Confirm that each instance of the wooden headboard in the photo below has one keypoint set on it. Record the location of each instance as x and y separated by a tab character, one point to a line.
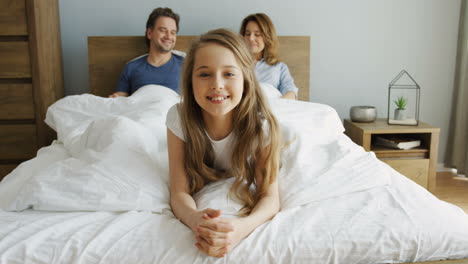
108	55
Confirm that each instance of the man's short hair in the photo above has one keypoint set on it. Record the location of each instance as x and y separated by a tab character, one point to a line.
159	12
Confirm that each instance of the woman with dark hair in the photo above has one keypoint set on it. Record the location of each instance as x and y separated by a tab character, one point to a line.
260	35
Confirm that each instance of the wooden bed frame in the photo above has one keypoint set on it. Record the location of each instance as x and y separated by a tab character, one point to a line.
108	55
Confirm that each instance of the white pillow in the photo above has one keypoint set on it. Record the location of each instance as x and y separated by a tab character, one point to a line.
270	91
319	123
180	53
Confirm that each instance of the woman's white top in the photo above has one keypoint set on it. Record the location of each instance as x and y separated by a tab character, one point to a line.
222	148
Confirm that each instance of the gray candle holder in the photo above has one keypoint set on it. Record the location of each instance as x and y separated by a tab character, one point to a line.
363	113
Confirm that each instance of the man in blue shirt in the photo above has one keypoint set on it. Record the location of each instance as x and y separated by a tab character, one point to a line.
160	66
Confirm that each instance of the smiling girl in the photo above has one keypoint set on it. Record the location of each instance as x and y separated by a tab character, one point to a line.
222	128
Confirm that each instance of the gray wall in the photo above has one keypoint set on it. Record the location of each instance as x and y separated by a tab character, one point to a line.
357	46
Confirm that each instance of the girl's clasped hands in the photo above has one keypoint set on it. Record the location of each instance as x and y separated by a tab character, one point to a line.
215	235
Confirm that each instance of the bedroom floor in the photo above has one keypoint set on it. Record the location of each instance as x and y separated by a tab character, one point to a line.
452	189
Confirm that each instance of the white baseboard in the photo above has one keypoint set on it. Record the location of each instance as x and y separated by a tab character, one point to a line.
441	168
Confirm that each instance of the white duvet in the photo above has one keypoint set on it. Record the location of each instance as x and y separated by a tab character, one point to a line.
99	194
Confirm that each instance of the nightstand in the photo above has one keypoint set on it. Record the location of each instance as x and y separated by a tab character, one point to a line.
418	164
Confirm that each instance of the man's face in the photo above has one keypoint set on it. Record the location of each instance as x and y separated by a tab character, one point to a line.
163	35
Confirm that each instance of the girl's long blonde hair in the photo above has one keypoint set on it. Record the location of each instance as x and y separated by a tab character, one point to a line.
270	52
256	153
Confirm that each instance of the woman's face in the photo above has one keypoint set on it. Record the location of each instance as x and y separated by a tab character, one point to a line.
254	38
217	80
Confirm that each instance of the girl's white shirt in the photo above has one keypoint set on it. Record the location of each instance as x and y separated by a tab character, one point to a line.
222	148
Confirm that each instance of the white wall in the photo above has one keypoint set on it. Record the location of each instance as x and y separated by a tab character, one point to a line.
357	46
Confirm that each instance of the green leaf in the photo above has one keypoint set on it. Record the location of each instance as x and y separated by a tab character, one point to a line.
401	102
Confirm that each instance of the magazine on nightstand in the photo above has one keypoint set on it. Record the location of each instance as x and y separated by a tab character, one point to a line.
397	143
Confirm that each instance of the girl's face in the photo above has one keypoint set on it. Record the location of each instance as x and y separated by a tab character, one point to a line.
254	38
217	80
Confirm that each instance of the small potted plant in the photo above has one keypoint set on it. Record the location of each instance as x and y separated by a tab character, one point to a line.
400	113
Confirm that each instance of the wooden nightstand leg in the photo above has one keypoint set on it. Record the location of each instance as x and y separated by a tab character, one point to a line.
366	141
433	160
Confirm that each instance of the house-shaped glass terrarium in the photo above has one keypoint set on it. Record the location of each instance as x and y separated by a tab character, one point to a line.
403	100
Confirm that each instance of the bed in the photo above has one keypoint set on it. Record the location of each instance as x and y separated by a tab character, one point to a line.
99	193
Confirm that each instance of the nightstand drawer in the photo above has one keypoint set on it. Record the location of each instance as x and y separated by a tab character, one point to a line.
16	101
415	169
13	18
15	62
18	142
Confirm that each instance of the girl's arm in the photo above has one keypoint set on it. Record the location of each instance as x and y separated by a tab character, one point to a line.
265	210
182	203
